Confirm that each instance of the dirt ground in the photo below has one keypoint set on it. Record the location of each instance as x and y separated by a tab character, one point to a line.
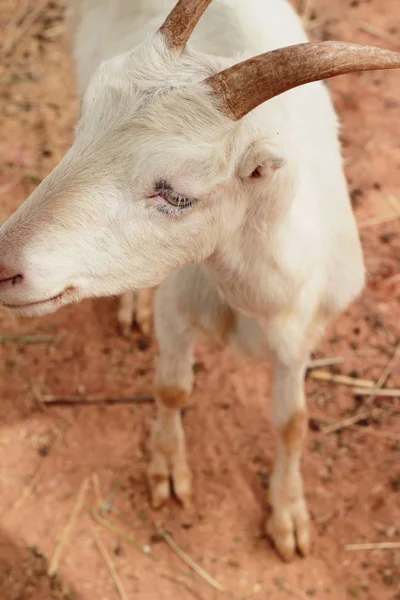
59	463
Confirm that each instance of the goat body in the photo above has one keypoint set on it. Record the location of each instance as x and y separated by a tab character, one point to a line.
292	263
245	226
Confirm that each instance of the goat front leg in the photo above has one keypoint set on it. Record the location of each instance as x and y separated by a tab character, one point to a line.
289	524
168	470
136	306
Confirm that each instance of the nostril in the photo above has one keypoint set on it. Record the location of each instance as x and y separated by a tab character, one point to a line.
13	280
16	279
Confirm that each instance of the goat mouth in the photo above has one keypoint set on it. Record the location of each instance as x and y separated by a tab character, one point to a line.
47	305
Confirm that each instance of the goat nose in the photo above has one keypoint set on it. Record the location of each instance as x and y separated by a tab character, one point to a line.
7	277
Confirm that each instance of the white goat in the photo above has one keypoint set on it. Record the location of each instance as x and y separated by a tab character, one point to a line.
241	215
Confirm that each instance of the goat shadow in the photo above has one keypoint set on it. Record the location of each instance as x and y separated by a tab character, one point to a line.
23	575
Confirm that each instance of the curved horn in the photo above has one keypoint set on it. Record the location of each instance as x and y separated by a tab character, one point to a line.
244	86
183	18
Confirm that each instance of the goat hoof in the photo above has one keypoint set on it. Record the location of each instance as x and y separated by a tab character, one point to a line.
125	330
181	482
124	319
290	531
159	491
166	483
145	324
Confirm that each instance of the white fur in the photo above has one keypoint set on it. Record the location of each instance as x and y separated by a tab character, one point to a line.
280	252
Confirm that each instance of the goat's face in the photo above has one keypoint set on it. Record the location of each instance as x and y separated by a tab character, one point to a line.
150	185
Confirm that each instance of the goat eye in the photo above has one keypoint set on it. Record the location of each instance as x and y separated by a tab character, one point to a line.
169	195
177	200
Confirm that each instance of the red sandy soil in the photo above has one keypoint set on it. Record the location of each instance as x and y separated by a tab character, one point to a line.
352	477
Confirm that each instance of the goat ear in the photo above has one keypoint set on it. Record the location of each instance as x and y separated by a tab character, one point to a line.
259	160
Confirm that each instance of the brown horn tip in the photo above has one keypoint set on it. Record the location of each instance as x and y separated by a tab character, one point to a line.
248	84
178	26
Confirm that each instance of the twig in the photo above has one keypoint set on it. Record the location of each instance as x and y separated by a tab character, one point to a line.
24	27
285	587
194	593
378	33
388	392
96	489
37	474
341	379
107	505
392	200
384	375
108	560
16	18
28	339
38	398
371	393
374	546
391	280
118	532
53	32
306	8
378	220
325	517
28	489
345	423
189	561
93	400
325	362
377	433
68	528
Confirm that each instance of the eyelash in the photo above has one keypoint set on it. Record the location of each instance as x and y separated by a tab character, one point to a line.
176	203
